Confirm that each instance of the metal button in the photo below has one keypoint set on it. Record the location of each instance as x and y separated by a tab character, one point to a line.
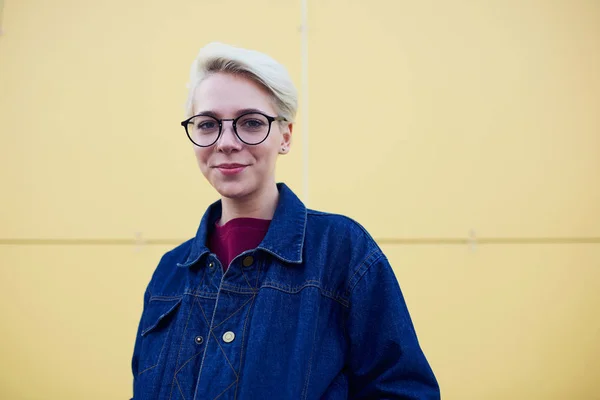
228	337
248	260
199	340
211	264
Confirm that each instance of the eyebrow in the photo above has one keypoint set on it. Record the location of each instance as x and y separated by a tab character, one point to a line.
237	114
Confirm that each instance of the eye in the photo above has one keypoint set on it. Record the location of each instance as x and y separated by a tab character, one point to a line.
206	125
252	123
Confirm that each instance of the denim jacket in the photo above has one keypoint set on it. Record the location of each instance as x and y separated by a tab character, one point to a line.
314	312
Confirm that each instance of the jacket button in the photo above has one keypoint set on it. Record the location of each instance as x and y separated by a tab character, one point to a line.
211	264
228	337
199	340
248	260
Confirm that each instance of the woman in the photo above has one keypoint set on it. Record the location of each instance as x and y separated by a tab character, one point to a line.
269	299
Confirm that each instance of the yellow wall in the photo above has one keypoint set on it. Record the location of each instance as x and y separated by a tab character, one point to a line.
465	135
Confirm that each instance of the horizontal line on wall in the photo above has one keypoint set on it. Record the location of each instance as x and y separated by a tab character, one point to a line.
86	242
491	240
381	241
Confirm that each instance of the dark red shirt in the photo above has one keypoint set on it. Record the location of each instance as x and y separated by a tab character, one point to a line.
235	237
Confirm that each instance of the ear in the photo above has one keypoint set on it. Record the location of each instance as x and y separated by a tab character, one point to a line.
286	138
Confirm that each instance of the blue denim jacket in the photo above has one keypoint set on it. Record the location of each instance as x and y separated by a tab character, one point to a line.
314	312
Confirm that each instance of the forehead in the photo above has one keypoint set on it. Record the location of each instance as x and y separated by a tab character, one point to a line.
225	94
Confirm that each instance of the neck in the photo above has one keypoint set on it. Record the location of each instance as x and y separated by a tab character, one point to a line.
260	204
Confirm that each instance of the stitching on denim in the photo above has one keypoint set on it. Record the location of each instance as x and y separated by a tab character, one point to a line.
161	317
147	369
364	267
161	350
224	354
337	299
246	278
279	256
210	275
286	289
361	266
203	273
226	389
258	272
345	217
323	292
295	289
207	342
303	232
205	295
180	346
202	310
244	341
179	387
164	298
310	360
233	313
236	289
187	361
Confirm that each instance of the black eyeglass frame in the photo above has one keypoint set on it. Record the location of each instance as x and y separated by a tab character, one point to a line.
234	122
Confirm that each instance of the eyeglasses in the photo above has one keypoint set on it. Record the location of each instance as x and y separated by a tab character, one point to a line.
251	128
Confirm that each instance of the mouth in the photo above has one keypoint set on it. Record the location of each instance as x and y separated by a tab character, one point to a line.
230	169
230	166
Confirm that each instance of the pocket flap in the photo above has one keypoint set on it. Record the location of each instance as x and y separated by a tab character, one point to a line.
157	312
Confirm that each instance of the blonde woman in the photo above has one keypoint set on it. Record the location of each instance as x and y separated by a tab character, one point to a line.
269	299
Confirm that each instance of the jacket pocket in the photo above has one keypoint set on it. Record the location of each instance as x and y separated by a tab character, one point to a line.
157	322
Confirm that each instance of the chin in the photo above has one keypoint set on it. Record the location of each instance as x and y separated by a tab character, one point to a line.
232	190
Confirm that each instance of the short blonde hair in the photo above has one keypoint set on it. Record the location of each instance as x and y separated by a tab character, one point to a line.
218	57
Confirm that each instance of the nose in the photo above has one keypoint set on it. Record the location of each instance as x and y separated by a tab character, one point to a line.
228	141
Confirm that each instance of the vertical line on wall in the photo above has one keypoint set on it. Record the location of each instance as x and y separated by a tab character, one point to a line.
304	98
1	8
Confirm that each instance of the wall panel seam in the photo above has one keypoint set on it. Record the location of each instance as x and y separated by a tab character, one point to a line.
381	241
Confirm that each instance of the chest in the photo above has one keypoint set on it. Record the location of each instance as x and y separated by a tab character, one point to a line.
244	334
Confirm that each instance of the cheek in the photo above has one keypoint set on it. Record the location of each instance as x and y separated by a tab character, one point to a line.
201	156
268	157
264	153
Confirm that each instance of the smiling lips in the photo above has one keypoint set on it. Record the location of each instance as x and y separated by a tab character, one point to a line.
230	169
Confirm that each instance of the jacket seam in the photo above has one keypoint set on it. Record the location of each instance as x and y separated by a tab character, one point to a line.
238	290
204	295
233	313
362	270
298	289
224	353
179	353
242	352
178	387
246	278
310	362
165	298
186	362
226	389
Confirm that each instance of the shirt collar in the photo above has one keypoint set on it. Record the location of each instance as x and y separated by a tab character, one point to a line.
284	239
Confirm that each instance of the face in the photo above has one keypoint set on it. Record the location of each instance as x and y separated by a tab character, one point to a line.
233	168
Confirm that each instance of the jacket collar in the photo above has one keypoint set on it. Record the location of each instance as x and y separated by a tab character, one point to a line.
284	239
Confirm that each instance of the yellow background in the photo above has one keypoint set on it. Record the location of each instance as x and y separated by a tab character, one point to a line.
465	136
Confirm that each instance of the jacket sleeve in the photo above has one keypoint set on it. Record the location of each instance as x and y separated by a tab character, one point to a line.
386	360
137	346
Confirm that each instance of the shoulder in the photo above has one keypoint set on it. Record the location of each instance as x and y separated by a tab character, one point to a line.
345	247
341	226
326	219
